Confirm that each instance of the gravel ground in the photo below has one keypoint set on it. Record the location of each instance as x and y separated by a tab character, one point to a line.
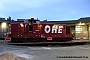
48	53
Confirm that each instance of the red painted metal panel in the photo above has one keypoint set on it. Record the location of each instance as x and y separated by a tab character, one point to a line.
39	31
49	38
7	38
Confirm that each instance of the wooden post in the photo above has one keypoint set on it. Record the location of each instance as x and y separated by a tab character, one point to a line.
43	41
4	40
25	41
34	41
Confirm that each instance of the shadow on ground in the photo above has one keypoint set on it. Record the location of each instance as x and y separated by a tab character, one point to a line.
51	45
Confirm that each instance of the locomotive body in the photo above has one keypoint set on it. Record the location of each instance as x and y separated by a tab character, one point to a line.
34	31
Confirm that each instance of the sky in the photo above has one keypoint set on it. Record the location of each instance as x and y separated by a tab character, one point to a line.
59	10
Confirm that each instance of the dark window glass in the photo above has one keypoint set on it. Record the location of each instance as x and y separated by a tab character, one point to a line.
34	21
30	28
67	29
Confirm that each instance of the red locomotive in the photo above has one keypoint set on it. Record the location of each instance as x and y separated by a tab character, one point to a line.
34	31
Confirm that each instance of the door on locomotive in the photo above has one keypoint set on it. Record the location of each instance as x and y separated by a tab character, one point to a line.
31	22
68	32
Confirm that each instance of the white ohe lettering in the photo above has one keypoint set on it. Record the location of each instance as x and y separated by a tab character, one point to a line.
47	29
58	29
54	30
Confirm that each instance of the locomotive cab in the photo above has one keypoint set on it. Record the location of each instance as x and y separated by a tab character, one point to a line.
31	22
